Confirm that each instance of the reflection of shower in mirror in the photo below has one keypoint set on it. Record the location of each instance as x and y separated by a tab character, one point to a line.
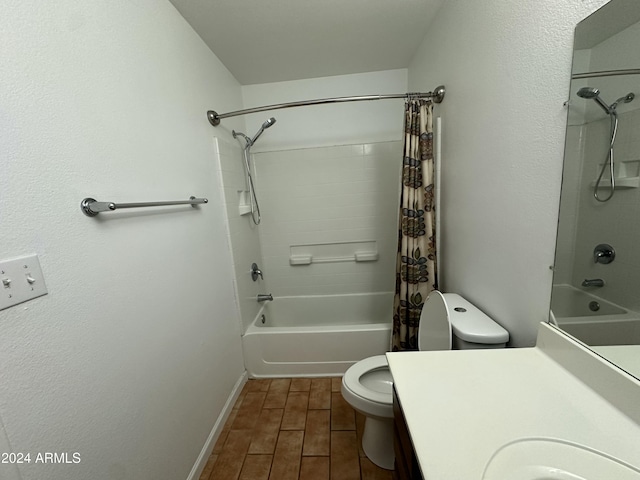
611	110
606	66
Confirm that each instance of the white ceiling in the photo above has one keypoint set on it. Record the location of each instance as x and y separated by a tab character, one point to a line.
263	41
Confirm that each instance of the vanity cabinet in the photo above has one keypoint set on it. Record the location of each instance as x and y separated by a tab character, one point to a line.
406	464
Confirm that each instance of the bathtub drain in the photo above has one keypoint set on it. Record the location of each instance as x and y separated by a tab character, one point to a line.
594	306
263	319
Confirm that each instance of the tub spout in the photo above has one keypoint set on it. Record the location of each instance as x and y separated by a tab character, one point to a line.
265	297
594	282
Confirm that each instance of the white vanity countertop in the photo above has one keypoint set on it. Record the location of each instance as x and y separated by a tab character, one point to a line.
462	406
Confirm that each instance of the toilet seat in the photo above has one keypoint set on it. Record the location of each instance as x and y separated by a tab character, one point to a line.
367	386
434	334
369	365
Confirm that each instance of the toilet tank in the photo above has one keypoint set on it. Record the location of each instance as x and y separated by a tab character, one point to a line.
472	328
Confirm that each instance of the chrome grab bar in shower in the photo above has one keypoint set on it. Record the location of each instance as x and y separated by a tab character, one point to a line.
91	207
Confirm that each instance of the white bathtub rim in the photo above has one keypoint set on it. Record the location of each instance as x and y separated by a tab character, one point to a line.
255	327
334	295
316	350
629	315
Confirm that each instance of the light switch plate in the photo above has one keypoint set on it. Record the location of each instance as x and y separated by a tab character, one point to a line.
21	279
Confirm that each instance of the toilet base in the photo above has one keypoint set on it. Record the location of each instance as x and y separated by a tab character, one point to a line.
377	441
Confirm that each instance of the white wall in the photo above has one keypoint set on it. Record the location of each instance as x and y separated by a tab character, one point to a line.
333	124
506	66
132	355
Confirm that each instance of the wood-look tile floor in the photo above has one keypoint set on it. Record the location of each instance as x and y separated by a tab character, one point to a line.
292	429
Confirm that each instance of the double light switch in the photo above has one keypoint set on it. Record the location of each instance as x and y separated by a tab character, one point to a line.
21	280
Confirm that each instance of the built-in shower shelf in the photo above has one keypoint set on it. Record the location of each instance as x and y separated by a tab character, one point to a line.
244	202
626	182
627	175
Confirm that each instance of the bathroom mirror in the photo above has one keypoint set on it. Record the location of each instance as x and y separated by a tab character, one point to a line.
596	288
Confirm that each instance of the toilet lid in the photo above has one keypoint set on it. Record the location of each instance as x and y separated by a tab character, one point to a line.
434	332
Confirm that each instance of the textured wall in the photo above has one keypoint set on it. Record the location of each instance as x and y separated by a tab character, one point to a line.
132	355
506	66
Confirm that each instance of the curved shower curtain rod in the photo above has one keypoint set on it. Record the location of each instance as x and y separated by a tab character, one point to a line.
214	117
606	73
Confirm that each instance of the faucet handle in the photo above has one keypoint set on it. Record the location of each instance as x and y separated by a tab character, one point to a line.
255	272
603	253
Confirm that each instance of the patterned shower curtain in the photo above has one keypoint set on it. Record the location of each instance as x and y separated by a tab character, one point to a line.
416	262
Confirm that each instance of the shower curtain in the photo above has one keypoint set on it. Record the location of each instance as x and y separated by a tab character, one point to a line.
416	261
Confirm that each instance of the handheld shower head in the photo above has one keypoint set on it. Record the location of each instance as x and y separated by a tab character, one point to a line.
269	122
626	99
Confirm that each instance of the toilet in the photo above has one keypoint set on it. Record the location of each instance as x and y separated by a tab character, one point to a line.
447	322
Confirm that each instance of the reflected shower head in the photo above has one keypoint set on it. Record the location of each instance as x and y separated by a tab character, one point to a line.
588	92
626	99
594	93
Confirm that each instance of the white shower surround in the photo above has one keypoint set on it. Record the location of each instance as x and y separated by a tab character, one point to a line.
332	185
325	316
331	196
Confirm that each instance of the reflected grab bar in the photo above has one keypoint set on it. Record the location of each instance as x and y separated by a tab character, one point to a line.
91	207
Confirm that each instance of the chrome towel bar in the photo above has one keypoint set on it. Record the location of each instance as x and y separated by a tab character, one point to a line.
91	207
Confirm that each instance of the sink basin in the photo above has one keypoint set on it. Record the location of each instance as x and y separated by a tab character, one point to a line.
555	459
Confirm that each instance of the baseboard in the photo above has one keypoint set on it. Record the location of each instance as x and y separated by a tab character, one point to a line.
201	461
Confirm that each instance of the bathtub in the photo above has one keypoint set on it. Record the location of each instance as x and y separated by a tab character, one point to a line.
610	324
317	335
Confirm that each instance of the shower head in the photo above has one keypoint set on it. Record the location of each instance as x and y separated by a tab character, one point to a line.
251	141
269	122
626	99
594	93
588	92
